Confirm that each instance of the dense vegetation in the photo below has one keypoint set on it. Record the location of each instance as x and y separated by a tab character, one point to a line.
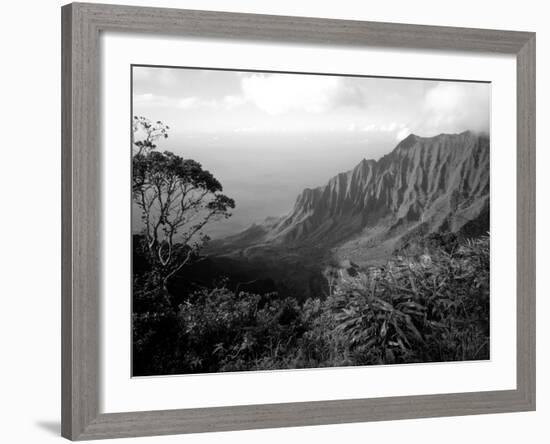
420	308
429	303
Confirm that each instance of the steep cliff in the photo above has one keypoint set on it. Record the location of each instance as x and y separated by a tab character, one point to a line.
424	185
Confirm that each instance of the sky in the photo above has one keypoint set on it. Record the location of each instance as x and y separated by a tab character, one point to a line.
267	136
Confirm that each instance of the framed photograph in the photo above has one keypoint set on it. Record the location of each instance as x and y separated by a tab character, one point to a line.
278	221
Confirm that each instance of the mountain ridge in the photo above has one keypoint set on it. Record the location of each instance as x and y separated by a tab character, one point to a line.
425	184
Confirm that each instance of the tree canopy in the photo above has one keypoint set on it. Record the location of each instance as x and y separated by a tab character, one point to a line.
176	196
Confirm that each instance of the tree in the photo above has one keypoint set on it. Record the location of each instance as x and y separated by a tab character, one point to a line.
177	199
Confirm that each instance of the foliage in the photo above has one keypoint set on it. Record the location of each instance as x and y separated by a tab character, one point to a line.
435	308
177	199
424	308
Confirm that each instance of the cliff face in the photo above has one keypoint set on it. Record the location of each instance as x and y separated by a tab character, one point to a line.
424	185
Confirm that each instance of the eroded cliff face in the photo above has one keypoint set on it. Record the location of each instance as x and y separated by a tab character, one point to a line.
424	185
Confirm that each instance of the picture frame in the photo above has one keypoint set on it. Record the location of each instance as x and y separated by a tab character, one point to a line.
82	24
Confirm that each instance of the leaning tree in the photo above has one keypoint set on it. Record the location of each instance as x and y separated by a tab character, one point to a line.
177	199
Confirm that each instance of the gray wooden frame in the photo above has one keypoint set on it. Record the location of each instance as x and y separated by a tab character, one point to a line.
81	26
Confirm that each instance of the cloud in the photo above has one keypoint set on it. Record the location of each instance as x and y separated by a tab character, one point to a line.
356	107
150	99
140	74
399	129
233	101
247	129
228	102
187	102
445	107
281	93
370	127
402	133
349	94
143	98
389	127
456	107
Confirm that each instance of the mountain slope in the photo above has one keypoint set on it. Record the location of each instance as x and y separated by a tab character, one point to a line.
424	185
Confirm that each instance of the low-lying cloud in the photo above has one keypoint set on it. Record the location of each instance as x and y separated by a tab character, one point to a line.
455	107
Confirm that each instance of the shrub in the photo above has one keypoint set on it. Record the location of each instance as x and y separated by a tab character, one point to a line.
434	308
423	308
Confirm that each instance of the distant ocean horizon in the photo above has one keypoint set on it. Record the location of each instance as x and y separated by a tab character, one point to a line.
279	165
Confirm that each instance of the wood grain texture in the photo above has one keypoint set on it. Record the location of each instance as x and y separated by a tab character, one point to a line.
259	27
66	225
119	425
526	221
81	25
80	222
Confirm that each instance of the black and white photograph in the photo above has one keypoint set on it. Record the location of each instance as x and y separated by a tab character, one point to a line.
302	220
241	222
